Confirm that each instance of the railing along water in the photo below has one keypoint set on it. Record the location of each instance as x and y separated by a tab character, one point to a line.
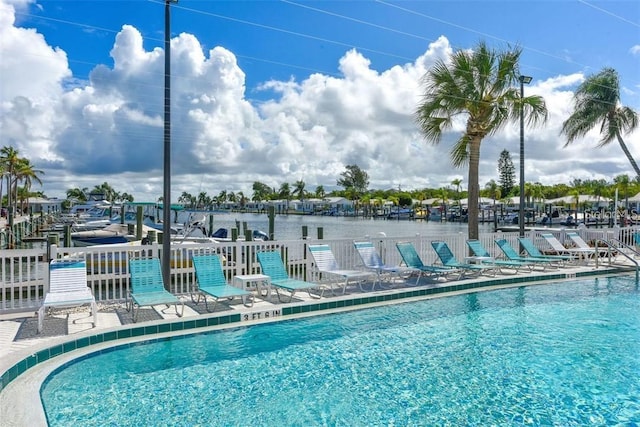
24	272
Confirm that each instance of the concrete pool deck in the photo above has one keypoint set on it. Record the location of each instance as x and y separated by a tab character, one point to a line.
69	334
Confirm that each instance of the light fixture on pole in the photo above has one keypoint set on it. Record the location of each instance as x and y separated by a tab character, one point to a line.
166	186
523	80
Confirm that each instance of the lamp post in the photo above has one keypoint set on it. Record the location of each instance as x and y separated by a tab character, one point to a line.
523	80
166	194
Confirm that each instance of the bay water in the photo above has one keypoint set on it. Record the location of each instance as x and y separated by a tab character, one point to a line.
289	227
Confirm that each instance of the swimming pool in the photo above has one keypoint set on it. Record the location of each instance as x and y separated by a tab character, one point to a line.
562	354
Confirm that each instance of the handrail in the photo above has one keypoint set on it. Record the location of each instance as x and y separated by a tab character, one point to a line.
621	245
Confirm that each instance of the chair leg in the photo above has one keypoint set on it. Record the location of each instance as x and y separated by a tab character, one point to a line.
41	313
181	311
213	308
94	310
134	312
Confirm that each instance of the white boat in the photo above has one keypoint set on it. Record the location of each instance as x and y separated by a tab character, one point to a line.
111	234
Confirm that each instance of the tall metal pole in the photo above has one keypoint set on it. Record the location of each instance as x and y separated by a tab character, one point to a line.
523	80
166	195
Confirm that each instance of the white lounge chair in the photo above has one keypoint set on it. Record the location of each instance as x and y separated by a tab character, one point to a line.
326	264
579	241
67	288
373	261
559	249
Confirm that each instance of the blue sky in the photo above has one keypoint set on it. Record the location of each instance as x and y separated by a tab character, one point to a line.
294	90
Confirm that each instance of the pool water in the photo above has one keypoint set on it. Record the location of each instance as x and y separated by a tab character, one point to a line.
564	354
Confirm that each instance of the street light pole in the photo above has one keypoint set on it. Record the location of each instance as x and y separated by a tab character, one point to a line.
523	80
166	194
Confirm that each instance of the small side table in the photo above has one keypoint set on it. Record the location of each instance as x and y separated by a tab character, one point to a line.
254	282
478	259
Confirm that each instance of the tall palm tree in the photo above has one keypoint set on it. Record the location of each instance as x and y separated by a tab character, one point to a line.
10	160
457	182
285	193
298	190
26	173
597	101
481	85
77	195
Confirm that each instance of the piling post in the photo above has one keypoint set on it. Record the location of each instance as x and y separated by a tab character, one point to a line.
320	233
272	218
305	232
139	223
234	234
248	235
67	236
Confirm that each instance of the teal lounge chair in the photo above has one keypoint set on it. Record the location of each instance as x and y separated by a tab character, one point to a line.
211	282
146	287
411	259
513	255
448	259
372	261
326	264
483	255
528	245
272	265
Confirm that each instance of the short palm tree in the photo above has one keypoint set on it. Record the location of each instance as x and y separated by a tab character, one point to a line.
482	86
597	101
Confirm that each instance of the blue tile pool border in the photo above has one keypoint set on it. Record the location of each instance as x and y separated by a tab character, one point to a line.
236	319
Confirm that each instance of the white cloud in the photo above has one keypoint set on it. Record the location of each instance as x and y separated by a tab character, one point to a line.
111	127
635	50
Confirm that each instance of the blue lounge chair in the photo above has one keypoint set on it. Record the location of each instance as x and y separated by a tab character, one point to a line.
272	265
372	261
411	259
211	282
146	287
513	255
483	255
326	264
448	259
533	251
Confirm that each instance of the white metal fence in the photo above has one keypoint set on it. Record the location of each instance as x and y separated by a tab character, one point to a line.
24	272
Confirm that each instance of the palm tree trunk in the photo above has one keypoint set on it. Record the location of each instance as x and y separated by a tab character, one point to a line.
474	188
628	154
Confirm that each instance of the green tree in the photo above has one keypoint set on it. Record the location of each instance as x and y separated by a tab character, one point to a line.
105	189
261	191
506	172
10	159
79	194
298	191
623	182
457	183
481	85
320	193
354	180
27	174
597	102
285	192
